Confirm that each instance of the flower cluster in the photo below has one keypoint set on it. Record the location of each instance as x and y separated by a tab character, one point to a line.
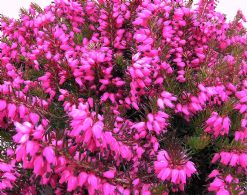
224	183
231	158
174	170
123	97
218	125
8	176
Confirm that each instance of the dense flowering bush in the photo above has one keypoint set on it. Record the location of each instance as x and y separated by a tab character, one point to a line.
123	97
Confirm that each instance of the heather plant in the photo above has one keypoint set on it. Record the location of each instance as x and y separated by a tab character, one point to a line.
123	97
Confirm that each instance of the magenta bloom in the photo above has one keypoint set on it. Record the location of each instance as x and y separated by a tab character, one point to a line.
222	184
217	125
123	97
178	173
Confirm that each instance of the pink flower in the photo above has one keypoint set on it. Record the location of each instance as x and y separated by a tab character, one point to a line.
34	118
216	185
3	105
223	184
49	154
24	128
109	174
93	181
32	147
93	92
11	110
214	173
177	174
64	176
72	183
5	167
243	160
231	158
97	129
38	165
217	125
157	122
21	138
108	189
82	178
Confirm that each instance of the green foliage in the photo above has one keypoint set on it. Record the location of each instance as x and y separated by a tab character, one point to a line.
36	7
78	37
32	74
197	143
39	92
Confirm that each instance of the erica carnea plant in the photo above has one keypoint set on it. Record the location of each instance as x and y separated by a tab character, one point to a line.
123	97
